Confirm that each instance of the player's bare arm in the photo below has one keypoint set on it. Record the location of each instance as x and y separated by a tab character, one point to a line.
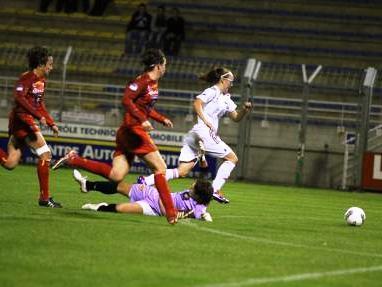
43	121
147	126
236	116
55	130
168	123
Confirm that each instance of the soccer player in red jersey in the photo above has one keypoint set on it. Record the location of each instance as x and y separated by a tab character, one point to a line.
132	137
23	131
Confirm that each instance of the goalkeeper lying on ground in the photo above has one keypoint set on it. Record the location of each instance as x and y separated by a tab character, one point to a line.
144	199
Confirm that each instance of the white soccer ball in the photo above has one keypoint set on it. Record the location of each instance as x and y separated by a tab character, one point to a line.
355	216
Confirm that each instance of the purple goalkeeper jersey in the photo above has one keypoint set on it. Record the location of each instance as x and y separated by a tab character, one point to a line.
182	200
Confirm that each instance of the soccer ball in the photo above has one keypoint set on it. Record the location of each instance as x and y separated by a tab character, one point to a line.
355	216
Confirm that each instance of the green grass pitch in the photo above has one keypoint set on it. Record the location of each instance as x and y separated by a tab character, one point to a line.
267	236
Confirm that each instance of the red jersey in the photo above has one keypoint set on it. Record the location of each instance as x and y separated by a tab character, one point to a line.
139	99
29	98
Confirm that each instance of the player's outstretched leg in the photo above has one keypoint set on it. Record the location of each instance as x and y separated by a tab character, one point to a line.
150	179
93	206
72	159
106	187
65	159
81	180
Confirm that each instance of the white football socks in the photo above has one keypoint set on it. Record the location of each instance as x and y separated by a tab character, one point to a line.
222	175
170	174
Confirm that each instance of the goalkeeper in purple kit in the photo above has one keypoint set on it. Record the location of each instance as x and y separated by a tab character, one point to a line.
144	199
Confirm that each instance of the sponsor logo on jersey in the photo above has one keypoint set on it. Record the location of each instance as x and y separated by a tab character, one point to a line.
153	92
154	86
38	87
19	88
133	87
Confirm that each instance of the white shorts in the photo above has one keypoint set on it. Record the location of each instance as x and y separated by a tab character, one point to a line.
147	210
147	197
213	145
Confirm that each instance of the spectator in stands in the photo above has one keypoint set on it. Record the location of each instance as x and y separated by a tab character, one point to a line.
69	6
28	113
158	28
174	34
44	5
85	6
138	30
99	7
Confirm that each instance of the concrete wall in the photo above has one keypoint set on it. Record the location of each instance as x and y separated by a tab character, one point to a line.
273	156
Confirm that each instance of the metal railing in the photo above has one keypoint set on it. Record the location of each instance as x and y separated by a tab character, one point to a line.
104	98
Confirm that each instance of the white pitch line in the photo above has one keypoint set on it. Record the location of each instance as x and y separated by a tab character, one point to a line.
283	243
235	216
295	277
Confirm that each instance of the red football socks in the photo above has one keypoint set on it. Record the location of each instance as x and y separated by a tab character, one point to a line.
93	166
3	157
43	178
164	194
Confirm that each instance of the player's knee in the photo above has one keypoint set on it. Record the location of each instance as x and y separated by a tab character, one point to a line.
47	156
118	172
232	158
185	167
160	168
182	173
9	166
44	153
116	176
10	163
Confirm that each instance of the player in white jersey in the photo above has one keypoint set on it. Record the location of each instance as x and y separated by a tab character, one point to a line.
211	105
